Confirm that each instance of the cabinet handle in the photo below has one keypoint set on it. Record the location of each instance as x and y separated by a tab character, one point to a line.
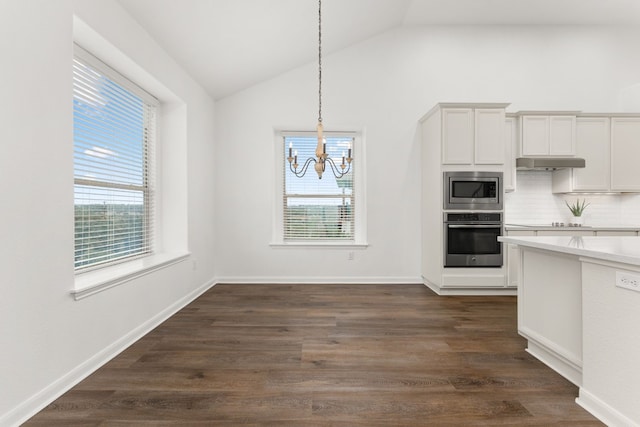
473	226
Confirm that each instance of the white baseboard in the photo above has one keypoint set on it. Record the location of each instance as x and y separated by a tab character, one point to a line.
553	356
470	291
315	280
40	400
603	411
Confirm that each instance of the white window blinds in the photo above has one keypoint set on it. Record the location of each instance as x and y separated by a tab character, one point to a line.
114	132
318	209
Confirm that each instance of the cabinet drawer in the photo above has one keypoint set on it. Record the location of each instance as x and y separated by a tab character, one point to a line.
521	233
616	233
565	233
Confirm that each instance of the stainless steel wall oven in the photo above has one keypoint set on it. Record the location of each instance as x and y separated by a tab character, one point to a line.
471	239
473	190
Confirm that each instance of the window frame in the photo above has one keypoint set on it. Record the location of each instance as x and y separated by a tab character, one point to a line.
147	187
359	239
172	208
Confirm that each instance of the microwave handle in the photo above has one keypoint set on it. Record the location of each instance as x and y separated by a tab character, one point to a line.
473	226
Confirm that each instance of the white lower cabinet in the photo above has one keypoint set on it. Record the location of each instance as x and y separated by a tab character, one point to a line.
512	257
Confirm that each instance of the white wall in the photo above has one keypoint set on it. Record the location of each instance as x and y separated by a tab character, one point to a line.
384	86
48	339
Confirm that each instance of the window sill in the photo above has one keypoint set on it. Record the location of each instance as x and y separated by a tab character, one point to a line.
92	282
316	245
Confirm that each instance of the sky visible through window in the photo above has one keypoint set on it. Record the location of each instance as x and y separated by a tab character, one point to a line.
108	134
110	169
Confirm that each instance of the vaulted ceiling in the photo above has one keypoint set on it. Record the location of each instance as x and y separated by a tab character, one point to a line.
228	45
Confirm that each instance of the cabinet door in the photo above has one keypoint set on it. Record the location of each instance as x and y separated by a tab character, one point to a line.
489	136
625	153
510	140
457	136
535	135
513	257
593	144
562	131
513	266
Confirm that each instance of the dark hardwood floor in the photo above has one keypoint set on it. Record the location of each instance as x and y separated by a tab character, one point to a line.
326	355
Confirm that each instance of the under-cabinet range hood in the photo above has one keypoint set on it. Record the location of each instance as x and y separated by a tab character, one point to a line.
549	163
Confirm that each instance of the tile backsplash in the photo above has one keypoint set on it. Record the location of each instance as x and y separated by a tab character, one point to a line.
534	203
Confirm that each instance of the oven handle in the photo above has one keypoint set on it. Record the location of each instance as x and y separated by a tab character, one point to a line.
473	226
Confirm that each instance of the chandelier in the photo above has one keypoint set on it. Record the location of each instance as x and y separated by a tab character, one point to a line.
322	159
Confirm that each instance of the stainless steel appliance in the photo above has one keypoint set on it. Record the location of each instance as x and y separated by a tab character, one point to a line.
471	239
473	190
549	163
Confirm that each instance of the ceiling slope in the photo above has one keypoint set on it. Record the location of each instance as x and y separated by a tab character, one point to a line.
228	45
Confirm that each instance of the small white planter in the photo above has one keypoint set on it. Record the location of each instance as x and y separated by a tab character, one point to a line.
577	220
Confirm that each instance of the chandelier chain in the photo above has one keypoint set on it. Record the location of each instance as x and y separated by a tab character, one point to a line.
322	156
319	61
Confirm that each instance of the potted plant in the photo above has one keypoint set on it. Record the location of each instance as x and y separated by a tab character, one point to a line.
577	209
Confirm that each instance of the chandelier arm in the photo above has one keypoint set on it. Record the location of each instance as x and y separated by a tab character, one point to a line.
304	168
334	168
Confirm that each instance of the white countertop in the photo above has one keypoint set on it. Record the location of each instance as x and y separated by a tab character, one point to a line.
623	249
532	227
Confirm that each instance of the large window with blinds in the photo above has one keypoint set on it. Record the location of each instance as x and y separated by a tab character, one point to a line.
318	209
114	136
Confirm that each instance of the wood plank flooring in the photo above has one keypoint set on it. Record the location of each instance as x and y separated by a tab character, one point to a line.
326	355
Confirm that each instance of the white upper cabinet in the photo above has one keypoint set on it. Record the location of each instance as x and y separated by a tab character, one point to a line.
473	136
562	135
625	152
593	144
510	153
535	135
548	135
457	136
611	148
489	136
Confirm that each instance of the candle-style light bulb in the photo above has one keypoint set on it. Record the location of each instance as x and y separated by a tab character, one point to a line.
320	131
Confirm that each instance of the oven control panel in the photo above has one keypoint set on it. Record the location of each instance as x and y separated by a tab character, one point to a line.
473	217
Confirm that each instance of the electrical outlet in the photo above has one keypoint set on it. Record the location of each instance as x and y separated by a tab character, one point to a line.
628	281
350	256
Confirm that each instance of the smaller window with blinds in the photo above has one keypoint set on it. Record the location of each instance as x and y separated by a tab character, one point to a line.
114	135
318	209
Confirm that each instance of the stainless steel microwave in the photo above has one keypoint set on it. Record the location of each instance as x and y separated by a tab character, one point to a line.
473	190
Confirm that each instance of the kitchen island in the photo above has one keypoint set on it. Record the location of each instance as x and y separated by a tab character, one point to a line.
579	309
